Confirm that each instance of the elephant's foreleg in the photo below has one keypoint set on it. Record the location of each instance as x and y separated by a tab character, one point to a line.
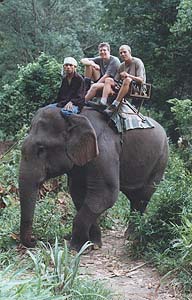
82	226
77	189
102	187
77	186
95	235
85	227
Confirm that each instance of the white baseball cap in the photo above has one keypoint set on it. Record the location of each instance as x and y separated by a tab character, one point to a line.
70	61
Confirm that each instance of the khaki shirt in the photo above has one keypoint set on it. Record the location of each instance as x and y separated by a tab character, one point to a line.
135	68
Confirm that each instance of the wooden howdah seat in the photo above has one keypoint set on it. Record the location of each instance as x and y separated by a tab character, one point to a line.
138	94
142	91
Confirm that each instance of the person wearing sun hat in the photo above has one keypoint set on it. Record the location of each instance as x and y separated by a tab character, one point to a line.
71	95
68	60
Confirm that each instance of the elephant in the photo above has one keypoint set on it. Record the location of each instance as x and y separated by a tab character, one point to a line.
99	162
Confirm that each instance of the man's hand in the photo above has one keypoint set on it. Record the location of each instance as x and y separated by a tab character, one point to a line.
69	106
95	66
88	62
124	75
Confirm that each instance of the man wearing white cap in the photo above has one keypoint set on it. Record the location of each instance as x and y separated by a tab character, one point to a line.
72	91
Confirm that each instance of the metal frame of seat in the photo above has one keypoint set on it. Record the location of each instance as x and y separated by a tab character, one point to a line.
140	92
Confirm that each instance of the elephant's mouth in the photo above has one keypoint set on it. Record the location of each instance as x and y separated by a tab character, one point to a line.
57	171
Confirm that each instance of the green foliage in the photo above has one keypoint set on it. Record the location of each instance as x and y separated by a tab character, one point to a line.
55	27
183	244
13	286
159	32
53	218
184	18
8	226
9	171
37	85
55	276
56	266
9	204
181	44
182	111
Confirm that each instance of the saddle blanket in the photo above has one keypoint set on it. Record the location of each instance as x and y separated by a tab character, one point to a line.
127	119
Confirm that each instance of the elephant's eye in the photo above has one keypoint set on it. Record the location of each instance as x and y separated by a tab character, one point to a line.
40	150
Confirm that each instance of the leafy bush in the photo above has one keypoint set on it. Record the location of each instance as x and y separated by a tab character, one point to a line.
9	172
182	112
55	276
53	217
36	86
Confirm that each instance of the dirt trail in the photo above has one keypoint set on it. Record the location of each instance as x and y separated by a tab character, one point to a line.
130	280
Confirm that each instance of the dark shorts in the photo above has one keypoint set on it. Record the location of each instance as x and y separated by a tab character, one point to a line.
119	83
117	87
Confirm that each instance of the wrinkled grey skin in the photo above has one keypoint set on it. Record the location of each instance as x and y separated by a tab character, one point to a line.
98	161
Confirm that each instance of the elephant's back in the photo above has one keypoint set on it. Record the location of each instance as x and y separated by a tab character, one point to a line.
98	120
144	152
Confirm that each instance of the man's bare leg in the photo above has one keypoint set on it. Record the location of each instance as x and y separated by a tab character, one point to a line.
95	87
107	90
122	92
94	75
91	73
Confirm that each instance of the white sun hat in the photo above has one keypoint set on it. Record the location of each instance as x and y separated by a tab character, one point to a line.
70	60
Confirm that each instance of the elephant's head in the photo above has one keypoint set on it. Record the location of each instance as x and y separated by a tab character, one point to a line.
54	145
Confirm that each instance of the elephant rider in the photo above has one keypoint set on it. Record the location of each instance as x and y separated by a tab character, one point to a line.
71	96
132	69
99	68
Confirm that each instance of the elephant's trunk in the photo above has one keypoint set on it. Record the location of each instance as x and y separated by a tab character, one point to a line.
27	201
29	181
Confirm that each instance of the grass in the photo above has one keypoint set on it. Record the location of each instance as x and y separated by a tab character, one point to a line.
49	272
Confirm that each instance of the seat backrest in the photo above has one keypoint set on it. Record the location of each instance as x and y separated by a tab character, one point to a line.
142	90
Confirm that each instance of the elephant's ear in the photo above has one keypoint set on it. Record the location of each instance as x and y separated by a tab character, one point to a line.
82	140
